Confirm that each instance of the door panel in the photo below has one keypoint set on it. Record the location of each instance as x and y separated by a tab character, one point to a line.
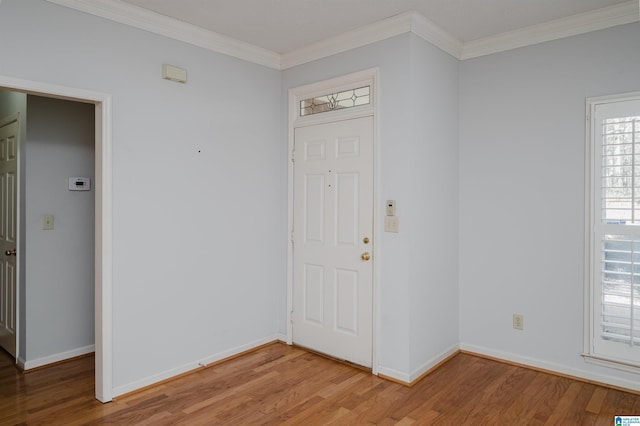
8	233
347	200
314	209
347	301
333	213
314	294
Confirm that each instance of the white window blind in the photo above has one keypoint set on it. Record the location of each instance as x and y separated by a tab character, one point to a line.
615	238
620	314
621	170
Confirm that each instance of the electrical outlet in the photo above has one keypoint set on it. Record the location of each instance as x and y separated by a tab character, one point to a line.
518	321
47	222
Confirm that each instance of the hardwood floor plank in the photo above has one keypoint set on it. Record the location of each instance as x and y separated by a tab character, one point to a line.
526	384
617	403
597	399
403	422
578	413
447	399
336	388
282	385
553	390
374	408
327	407
421	398
559	412
498	396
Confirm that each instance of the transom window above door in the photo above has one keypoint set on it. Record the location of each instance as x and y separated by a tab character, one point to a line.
334	101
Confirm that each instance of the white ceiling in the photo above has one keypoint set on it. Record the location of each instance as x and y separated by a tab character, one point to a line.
284	26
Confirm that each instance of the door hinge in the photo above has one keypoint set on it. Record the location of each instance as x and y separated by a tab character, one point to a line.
293	156
293	237
291	317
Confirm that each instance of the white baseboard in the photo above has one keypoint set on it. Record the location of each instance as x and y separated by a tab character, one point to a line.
156	378
553	367
417	373
409	378
39	362
394	374
282	337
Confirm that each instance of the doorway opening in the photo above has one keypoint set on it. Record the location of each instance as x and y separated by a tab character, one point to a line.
332	264
102	217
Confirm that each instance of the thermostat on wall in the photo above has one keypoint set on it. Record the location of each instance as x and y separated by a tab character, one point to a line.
79	184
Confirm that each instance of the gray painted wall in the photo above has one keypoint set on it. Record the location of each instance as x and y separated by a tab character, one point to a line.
199	209
432	211
522	171
59	263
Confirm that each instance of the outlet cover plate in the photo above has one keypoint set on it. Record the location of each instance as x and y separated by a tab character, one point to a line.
518	321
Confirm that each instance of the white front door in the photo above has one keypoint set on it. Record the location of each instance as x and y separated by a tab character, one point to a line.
8	227
332	243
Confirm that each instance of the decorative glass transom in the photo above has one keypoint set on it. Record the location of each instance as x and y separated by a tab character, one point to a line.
345	99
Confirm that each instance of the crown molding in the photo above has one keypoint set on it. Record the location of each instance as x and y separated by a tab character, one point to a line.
147	20
358	37
381	30
624	13
128	14
435	35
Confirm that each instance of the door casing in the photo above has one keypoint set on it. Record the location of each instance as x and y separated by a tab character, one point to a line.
103	219
297	94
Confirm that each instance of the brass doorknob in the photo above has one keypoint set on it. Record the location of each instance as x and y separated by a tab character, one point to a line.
10	252
365	256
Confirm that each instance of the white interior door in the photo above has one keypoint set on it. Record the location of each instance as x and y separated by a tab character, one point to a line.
332	243
8	227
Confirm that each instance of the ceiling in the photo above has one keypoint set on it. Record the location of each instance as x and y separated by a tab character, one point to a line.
284	26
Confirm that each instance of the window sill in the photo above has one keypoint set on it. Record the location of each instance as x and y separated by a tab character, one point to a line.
611	363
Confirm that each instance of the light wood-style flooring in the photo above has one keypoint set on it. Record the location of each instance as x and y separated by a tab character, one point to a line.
285	385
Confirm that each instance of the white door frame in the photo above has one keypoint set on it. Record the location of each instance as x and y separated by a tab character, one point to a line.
359	79
103	219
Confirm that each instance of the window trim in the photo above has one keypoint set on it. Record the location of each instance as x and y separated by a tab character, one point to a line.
589	354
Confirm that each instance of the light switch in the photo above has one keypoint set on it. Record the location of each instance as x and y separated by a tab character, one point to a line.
391	224
47	222
391	207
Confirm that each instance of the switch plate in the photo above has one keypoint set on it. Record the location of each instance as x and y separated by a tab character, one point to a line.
79	184
391	224
47	222
391	207
518	321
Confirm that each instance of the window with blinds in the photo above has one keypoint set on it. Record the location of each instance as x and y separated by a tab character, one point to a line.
615	231
620	316
621	170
